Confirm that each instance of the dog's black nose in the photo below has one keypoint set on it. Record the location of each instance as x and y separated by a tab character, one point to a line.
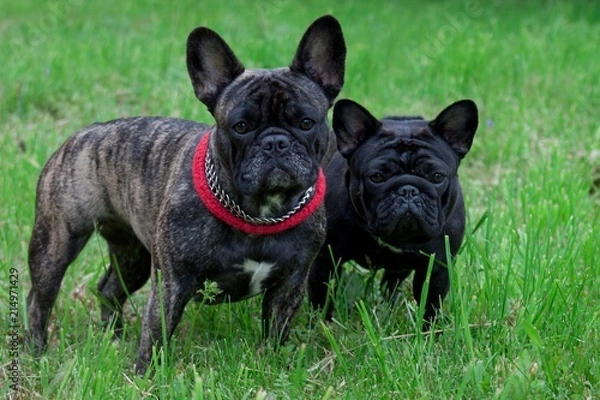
408	191
276	144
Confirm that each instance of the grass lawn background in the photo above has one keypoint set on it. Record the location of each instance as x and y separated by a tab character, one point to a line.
523	316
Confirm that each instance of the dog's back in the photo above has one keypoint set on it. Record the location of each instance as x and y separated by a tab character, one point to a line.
96	175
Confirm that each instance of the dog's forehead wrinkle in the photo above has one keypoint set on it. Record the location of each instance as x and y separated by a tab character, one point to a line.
411	141
295	85
275	93
400	150
404	126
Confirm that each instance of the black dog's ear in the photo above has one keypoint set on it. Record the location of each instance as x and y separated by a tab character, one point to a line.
211	65
457	125
352	124
321	55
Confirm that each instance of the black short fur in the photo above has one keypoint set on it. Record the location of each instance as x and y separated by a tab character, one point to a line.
393	196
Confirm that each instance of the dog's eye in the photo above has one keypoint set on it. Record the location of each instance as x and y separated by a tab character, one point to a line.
306	124
377	177
241	127
437	177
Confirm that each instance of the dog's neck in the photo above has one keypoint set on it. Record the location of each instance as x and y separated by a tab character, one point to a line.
383	243
222	206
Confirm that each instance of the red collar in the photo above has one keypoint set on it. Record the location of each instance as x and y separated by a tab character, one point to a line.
218	210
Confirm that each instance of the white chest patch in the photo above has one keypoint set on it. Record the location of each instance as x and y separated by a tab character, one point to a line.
259	271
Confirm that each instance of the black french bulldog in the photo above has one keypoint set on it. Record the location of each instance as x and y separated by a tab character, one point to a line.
236	207
393	194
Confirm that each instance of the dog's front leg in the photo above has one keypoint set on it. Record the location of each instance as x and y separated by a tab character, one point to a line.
166	303
280	305
439	285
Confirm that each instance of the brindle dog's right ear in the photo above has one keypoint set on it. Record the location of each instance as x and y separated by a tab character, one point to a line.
321	55
211	65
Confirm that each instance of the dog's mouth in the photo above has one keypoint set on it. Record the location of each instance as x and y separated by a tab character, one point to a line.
286	176
260	219
279	190
407	230
278	178
275	212
401	219
413	230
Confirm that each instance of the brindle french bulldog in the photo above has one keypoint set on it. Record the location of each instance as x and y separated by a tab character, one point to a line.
238	204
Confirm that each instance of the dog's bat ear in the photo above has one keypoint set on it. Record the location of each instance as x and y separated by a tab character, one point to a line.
352	124
321	55
457	125
211	65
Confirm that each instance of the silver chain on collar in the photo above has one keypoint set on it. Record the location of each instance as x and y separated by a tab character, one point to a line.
235	209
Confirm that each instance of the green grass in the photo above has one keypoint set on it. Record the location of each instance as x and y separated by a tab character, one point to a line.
523	316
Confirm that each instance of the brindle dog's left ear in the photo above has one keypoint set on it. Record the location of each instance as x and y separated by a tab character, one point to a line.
457	125
211	65
321	55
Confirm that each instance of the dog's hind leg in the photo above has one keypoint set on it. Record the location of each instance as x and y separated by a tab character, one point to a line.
54	245
129	270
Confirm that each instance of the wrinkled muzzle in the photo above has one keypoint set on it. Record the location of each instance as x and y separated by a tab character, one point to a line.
408	215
